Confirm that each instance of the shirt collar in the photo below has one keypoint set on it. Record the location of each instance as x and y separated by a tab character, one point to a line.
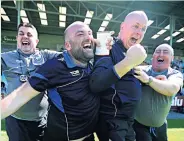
23	54
121	45
154	73
68	59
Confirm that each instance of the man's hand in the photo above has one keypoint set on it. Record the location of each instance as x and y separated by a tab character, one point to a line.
104	44
2	95
3	90
110	41
141	75
135	55
161	77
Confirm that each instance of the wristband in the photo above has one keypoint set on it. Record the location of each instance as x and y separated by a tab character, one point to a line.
149	80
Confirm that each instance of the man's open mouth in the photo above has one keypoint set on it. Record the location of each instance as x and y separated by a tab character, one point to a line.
87	46
133	40
25	43
160	60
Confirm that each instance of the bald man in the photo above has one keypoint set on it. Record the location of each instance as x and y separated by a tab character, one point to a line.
73	113
113	78
160	84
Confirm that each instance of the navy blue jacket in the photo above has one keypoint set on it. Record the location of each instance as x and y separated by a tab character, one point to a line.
118	96
69	91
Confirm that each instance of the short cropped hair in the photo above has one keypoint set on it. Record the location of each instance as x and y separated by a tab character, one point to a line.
168	46
27	25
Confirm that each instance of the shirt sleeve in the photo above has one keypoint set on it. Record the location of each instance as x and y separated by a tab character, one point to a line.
178	75
44	77
103	75
3	83
3	78
3	65
50	54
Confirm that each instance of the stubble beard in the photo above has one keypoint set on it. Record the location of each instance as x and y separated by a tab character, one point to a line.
81	56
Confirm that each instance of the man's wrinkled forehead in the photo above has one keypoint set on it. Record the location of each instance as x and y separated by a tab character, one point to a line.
137	17
78	28
165	47
28	29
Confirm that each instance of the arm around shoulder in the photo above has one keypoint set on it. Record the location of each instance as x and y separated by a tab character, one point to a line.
17	99
170	86
103	75
51	53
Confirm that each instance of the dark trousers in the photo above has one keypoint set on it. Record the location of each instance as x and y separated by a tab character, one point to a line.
145	133
57	127
22	130
115	129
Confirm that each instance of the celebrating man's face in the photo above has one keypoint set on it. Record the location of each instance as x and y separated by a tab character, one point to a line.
80	41
27	39
133	29
162	57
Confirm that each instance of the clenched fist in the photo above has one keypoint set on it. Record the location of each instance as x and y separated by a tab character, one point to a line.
135	55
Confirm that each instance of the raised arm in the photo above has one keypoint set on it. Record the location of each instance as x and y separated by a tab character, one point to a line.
105	73
16	99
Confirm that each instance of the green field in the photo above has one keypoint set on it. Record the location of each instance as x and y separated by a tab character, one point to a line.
175	131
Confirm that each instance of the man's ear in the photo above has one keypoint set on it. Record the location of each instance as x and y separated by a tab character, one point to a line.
37	41
172	59
67	45
122	25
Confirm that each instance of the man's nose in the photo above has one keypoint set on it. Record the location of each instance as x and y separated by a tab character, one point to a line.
25	35
139	31
89	37
161	53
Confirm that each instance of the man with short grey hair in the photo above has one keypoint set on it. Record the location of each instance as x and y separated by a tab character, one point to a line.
160	83
113	80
